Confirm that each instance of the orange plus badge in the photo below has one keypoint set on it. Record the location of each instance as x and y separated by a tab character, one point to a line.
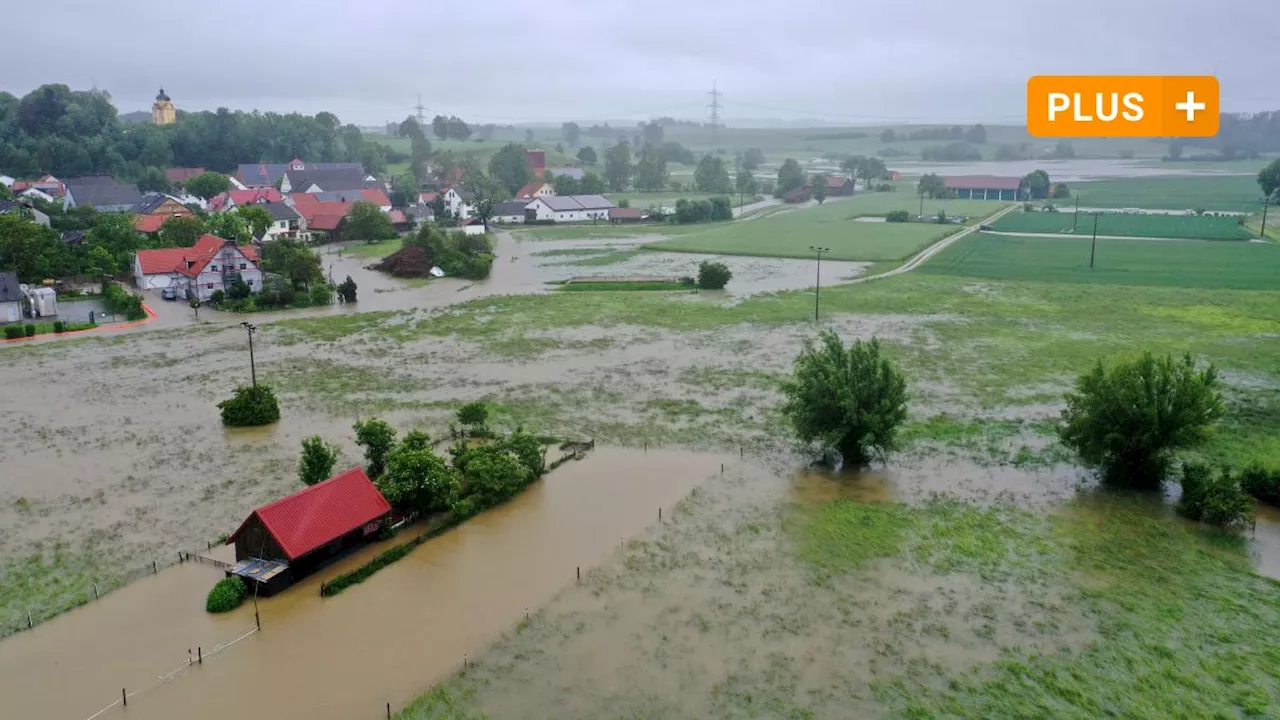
1122	106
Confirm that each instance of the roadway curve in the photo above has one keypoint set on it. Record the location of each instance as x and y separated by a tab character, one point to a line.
924	255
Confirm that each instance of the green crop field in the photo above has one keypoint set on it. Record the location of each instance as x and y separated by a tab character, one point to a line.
1180	263
1126	224
1227	193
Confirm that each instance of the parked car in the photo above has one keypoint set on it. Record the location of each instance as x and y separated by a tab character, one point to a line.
984	226
169	294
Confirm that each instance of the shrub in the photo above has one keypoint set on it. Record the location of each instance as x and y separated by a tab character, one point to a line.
1213	499
1261	483
348	290
474	417
377	437
321	294
216	298
13	332
1127	420
29	330
898	216
226	595
884	187
317	460
59	326
122	302
850	400
239	289
713	275
249	407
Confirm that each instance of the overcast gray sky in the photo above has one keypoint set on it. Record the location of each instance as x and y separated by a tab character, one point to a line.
856	61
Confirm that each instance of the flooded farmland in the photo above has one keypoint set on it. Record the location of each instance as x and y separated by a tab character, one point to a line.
346	656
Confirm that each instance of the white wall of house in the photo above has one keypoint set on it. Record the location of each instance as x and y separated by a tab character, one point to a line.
507	219
37	194
10	311
476	229
282	228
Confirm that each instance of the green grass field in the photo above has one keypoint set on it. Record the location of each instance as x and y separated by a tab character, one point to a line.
1175	263
1230	193
833	225
1126	224
637	286
373	251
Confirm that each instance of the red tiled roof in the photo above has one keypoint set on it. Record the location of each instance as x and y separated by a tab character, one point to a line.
324	512
149	223
397	218
982	182
836	181
322	215
181	175
167	260
375	196
618	213
427	197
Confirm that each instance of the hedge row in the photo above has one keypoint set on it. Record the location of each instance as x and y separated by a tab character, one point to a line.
364	572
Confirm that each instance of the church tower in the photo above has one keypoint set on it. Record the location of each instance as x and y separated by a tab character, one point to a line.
163	112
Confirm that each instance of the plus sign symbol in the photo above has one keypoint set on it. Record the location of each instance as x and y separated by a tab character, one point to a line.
1191	106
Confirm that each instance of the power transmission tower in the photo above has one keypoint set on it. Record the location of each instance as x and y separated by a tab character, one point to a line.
715	114
422	112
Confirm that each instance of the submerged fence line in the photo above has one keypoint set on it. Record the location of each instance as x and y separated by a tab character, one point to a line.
200	659
33	615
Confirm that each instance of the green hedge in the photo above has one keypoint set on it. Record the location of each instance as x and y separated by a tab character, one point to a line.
226	595
13	332
250	407
1262	484
364	572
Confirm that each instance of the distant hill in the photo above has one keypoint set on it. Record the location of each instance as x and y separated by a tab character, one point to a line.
136	117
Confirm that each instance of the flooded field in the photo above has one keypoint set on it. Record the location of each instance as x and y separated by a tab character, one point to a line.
345	657
1062	170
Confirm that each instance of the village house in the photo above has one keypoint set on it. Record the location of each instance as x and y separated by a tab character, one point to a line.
211	264
839	186
102	193
628	215
798	195
372	196
269	175
24	209
180	175
7	181
474	226
286	222
321	220
985	187
10	298
459	202
313	181
232	199
568	208
286	540
509	213
535	189
47	188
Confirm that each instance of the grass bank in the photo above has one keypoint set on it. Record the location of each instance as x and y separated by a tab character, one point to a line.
1231	193
1125	224
373	251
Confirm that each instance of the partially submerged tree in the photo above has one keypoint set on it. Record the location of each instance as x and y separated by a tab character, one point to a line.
790	177
1127	419
1215	499
377	437
473	417
713	275
317	461
366	222
417	479
848	400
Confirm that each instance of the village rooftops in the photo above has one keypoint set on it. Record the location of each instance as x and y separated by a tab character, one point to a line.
268	174
187	261
982	182
102	192
569	203
327	180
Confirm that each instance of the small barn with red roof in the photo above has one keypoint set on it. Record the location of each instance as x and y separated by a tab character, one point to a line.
293	536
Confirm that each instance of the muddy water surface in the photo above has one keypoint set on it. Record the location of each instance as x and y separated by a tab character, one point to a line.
345	657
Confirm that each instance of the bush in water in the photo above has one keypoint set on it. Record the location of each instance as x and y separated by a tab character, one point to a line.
226	595
249	407
1212	498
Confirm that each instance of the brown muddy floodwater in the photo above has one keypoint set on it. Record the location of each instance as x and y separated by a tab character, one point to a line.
347	656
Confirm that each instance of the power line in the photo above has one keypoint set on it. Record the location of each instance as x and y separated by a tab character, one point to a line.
422	112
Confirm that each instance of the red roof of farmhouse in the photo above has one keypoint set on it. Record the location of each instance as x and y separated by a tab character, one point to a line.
982	182
167	260
322	513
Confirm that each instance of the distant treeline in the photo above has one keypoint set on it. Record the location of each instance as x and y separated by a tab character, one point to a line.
975	134
74	133
835	136
1242	135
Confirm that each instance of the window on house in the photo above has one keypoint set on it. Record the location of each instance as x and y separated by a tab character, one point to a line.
210	286
244	266
213	268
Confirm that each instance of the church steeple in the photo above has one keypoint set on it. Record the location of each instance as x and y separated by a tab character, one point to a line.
163	112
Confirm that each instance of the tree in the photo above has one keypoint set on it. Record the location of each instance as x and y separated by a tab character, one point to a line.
228	226
368	223
888	136
1214	499
1064	149
819	183
294	261
152	179
850	401
528	449
473	418
317	461
752	158
867	169
653	133
510	166
347	290
587	155
1128	419
976	134
208	184
5	193
458	130
711	175
651	170
790	177
745	183
181	231
565	184
377	437
250	407
494	474
1037	184
571	133
617	166
713	275
1269	179
417	479
931	184
591	184
440	127
257	219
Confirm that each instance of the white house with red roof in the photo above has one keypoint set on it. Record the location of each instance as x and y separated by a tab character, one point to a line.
198	271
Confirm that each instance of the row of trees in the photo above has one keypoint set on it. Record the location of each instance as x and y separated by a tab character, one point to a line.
73	133
975	134
1127	420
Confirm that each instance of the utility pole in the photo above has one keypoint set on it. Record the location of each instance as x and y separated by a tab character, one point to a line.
422	112
1262	234
921	215
715	115
253	369
1093	249
817	285
1076	219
